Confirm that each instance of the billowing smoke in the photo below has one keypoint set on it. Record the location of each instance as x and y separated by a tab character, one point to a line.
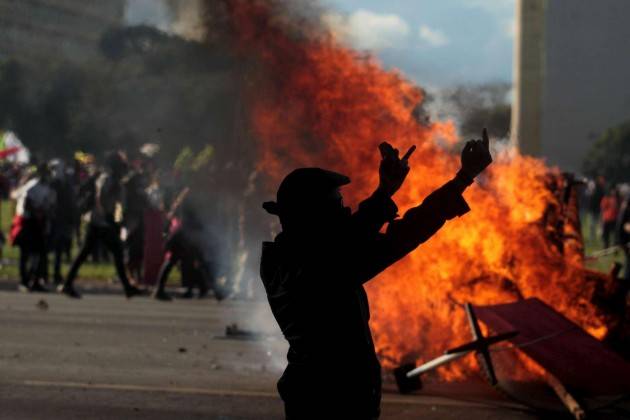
179	17
187	19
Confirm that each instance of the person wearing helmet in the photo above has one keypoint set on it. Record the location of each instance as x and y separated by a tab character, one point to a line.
314	271
104	225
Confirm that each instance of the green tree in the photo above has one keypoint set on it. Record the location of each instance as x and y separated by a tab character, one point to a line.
147	87
610	155
10	83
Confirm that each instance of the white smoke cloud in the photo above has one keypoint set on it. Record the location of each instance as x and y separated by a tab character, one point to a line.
181	17
187	21
369	30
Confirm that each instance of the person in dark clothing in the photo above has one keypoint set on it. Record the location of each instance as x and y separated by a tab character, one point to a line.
623	234
596	195
185	245
86	193
314	272
104	226
136	202
609	210
63	218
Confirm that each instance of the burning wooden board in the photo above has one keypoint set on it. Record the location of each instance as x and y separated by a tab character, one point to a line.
563	349
572	362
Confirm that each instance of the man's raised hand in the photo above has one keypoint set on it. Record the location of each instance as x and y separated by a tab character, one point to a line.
393	170
476	156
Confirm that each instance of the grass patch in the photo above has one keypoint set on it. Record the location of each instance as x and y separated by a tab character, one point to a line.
103	271
94	271
106	272
595	243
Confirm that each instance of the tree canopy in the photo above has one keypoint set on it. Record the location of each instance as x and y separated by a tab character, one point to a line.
147	87
610	155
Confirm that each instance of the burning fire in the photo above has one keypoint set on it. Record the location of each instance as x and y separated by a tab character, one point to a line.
315	102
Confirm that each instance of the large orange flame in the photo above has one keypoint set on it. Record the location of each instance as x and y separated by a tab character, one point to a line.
315	102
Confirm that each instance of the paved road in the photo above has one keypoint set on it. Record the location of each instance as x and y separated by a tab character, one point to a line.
104	357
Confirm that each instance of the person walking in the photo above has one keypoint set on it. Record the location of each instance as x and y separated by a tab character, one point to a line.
104	225
609	210
30	229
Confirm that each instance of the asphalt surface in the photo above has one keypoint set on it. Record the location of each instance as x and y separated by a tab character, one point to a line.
105	357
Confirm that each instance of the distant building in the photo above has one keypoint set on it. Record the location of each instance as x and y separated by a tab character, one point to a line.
37	30
572	76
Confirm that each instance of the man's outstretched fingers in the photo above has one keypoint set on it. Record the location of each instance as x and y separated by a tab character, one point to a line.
485	138
385	149
388	151
409	153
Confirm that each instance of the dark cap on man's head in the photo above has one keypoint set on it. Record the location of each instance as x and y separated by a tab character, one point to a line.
304	185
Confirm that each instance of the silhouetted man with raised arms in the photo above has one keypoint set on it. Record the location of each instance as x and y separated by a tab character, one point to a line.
314	272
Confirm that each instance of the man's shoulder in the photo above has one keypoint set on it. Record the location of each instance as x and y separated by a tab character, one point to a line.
271	269
269	257
278	265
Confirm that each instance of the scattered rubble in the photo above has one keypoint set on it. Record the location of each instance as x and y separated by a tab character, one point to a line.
42	305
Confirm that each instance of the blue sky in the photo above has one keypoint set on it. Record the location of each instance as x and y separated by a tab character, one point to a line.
437	43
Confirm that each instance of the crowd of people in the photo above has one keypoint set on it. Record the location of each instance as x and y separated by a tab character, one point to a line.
129	212
119	209
607	212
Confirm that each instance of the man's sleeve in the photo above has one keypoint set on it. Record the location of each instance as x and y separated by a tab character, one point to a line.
405	234
373	213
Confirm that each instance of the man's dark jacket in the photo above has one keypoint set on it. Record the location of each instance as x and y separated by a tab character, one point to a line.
316	294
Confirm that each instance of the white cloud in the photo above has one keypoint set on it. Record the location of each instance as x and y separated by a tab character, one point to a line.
432	37
369	30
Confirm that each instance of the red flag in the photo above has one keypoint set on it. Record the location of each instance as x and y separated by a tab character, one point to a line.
8	152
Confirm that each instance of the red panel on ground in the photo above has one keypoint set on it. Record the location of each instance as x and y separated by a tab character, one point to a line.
576	358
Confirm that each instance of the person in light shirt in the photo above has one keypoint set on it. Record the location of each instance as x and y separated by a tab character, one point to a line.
35	203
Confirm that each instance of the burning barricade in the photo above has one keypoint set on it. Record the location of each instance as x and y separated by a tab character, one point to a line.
314	102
